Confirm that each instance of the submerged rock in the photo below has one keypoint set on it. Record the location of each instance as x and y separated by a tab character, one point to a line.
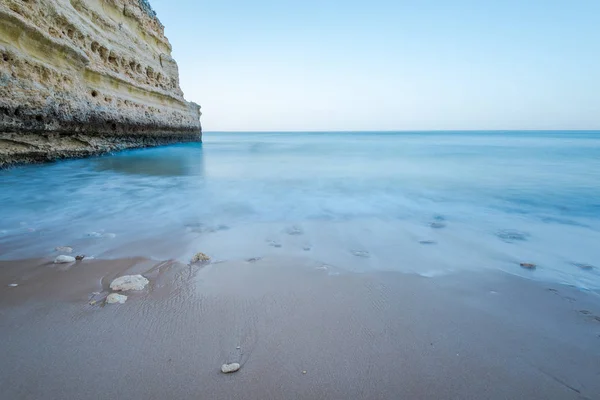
64	249
361	253
129	282
116	298
79	257
253	259
528	265
294	230
427	242
584	266
200	257
510	235
228	368
94	234
437	225
64	259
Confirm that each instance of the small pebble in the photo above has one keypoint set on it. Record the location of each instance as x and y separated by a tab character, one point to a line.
238	347
584	266
13	285
228	368
94	234
304	372
427	241
79	257
116	298
253	259
306	248
528	265
64	259
361	253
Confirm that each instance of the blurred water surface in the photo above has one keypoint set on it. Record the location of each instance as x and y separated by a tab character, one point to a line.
423	202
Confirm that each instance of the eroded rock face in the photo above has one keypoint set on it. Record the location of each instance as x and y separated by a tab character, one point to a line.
80	77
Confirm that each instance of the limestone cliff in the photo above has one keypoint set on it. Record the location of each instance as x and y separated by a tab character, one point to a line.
80	77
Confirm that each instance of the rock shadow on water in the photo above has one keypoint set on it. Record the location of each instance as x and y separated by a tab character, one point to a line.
160	161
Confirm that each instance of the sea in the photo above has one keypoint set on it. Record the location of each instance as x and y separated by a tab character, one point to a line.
427	203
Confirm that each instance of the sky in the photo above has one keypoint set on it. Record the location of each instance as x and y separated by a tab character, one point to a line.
277	65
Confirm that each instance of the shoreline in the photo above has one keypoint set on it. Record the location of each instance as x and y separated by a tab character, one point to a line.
357	335
19	149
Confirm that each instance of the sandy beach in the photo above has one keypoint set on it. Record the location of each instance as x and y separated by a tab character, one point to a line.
298	328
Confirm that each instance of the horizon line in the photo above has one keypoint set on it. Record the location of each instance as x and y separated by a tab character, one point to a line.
400	130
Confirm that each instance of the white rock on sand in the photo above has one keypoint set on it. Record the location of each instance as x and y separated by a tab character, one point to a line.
64	249
64	259
116	298
129	282
228	368
13	285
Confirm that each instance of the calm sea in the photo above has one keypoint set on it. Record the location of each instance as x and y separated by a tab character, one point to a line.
421	202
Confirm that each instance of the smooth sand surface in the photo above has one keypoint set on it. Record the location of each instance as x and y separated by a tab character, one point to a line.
304	331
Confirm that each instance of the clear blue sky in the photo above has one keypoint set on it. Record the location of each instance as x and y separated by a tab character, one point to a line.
388	64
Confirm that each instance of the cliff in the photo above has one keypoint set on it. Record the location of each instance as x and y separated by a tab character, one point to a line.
82	77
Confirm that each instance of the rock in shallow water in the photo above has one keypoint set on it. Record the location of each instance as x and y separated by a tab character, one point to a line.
228	368
129	282
437	225
116	298
64	259
511	235
361	253
64	249
528	265
200	257
79	257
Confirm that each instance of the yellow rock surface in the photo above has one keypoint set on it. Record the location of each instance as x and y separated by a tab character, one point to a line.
80	77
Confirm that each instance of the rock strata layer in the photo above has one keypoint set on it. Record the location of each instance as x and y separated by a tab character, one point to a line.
82	77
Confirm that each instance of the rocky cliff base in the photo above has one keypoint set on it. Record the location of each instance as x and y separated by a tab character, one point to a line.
19	148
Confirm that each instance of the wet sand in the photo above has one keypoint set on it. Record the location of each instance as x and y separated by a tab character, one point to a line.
303	332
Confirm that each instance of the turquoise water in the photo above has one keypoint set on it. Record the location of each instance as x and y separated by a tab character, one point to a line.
423	202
